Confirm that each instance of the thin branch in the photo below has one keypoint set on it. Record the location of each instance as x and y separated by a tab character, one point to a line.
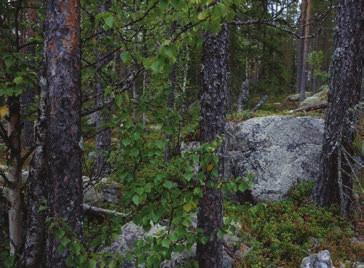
8	183
98	210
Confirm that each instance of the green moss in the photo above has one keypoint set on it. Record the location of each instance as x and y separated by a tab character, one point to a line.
281	233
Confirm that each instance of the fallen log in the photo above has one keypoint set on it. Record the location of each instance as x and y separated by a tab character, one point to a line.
313	107
260	103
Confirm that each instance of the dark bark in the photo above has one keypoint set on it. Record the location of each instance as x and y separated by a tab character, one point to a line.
335	182
212	125
27	97
62	59
303	48
27	100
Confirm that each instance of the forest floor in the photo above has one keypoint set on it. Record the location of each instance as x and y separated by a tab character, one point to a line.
272	234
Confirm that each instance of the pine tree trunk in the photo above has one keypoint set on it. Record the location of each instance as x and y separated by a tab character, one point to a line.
335	182
212	125
27	97
62	59
303	48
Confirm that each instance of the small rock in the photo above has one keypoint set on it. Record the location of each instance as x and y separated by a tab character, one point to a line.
319	260
316	98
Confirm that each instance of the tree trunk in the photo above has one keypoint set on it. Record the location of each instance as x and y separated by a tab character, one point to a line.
303	48
212	125
243	96
27	97
15	172
335	183
62	58
36	199
103	136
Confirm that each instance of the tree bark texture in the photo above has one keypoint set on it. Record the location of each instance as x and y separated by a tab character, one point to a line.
212	125
304	48
27	97
15	190
243	96
36	198
335	183
62	59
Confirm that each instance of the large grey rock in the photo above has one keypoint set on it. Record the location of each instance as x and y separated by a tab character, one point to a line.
279	151
296	97
319	97
319	260
124	244
130	233
104	190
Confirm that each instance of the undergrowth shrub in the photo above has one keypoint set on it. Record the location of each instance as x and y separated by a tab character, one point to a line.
280	234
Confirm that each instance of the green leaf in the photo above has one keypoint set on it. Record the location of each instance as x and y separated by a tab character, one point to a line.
60	233
126	142
165	243
202	15
168	184
189	206
163	4
109	21
174	237
157	66
136	200
170	53
92	263
125	57
134	152
18	80
136	136
243	186
159	144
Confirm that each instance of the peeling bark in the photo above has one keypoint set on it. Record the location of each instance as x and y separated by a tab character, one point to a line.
62	59
15	165
36	199
212	125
